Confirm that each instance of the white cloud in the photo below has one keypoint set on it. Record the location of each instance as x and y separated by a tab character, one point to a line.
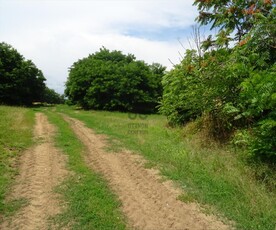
54	34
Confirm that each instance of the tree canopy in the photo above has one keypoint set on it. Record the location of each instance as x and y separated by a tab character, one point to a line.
111	80
232	15
230	88
50	96
21	82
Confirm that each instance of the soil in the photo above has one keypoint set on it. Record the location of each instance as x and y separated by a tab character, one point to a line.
41	169
148	201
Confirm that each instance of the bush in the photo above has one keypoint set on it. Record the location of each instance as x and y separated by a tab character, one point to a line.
110	80
233	88
263	144
259	103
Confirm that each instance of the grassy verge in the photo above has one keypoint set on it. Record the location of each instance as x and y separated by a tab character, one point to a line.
16	132
90	203
211	175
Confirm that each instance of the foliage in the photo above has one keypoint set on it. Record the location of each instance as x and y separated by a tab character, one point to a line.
206	85
52	97
21	82
110	80
176	104
259	101
262	37
231	15
229	88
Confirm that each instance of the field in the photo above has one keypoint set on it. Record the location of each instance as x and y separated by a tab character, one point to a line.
214	176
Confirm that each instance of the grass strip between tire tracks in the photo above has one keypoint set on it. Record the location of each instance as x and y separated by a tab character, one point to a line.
90	204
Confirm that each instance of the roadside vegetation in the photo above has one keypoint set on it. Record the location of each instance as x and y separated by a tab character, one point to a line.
89	202
228	83
209	173
21	82
16	133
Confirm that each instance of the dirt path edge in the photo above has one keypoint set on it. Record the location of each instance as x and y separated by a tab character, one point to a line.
41	169
147	202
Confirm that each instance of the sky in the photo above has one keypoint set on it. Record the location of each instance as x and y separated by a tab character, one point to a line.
56	33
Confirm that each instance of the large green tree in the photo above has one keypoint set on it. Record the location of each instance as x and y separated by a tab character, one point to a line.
110	80
232	15
21	82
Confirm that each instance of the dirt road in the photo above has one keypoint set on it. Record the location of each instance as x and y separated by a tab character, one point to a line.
147	202
41	169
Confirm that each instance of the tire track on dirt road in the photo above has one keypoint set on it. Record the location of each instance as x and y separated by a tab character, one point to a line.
146	202
41	169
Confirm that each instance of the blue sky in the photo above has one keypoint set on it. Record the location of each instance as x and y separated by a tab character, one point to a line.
159	34
56	33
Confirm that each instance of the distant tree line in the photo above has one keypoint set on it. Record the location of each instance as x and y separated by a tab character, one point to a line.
50	96
21	82
111	80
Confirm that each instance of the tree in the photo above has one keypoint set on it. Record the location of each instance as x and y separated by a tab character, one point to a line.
232	15
52	97
21	82
110	80
230	88
262	37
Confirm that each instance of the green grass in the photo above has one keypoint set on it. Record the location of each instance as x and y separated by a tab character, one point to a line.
16	133
214	176
89	202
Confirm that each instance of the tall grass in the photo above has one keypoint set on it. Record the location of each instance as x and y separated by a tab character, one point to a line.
16	125
213	175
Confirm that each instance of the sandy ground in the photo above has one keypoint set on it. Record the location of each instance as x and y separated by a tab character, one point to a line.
147	202
41	169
